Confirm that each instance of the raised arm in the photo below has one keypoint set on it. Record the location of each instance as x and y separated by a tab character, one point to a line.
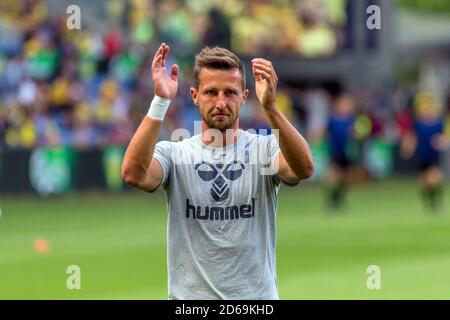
139	169
295	161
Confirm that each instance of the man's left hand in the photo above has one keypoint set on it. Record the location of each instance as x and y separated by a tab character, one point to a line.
266	82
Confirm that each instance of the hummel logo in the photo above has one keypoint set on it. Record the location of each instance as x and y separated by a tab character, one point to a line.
220	173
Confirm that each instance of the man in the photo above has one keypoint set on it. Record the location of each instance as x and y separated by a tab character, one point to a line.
426	141
221	202
340	135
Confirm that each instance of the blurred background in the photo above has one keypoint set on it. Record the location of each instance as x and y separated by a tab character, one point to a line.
71	99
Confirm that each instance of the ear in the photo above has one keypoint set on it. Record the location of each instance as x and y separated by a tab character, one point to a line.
194	95
245	95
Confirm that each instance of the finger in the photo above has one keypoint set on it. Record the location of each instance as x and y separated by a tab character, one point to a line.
157	60
264	74
267	68
159	51
165	54
274	74
256	75
262	61
174	72
263	67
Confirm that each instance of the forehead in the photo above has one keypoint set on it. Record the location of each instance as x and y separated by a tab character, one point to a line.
219	78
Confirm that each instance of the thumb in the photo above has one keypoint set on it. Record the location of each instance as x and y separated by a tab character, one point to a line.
174	72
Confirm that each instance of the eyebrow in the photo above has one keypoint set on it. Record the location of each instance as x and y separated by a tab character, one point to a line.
215	88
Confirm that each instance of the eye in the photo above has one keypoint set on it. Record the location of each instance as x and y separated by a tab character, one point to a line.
206	171
233	170
230	92
210	92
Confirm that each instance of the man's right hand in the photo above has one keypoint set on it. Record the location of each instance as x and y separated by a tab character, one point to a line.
164	86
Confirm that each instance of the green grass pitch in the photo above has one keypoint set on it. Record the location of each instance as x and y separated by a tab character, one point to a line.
119	242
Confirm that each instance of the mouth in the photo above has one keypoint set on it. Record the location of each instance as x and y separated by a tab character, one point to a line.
220	115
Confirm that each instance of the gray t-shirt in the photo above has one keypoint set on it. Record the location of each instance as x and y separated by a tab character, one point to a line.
222	206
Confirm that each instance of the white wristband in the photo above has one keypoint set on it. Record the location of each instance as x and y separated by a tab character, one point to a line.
158	108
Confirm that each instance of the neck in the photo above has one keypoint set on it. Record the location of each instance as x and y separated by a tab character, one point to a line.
216	138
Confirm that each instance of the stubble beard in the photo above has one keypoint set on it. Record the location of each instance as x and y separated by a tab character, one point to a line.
222	125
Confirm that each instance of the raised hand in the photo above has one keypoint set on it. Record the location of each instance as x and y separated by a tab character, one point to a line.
164	86
266	82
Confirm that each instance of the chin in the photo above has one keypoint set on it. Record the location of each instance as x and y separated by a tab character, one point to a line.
222	126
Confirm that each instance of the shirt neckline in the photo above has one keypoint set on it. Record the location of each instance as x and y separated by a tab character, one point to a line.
227	148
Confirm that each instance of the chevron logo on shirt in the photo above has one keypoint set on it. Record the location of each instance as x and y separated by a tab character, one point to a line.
221	176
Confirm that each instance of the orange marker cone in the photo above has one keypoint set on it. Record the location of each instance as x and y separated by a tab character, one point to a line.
41	245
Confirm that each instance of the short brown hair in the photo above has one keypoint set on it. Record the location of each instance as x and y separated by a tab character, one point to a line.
217	58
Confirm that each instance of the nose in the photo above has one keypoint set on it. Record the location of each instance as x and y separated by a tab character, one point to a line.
221	103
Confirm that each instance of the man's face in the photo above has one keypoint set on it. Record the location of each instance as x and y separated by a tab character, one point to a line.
219	97
345	105
428	112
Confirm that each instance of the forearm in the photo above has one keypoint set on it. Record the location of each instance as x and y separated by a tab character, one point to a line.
139	153
293	146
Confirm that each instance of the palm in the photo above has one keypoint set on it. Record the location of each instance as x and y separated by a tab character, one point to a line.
164	85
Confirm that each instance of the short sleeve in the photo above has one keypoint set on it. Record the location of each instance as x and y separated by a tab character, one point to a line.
273	150
162	153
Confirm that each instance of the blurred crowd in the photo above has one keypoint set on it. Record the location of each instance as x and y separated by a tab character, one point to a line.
91	87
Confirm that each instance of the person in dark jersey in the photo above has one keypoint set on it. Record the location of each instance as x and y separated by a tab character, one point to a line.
425	142
340	135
